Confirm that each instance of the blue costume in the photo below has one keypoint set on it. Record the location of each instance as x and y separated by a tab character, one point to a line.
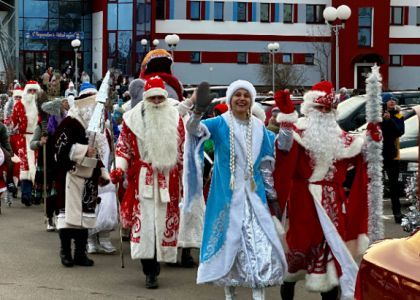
240	244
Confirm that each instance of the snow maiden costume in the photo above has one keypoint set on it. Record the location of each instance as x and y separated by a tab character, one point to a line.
240	244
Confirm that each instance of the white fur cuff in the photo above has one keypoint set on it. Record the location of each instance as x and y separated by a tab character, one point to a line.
121	162
288	118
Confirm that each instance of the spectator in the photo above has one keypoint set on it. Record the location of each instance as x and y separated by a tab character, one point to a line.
343	94
273	125
46	78
71	90
392	128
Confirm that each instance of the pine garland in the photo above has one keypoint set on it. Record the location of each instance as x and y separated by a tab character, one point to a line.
374	156
411	220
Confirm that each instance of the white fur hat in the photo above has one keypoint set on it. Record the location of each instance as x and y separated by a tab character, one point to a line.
18	92
241	84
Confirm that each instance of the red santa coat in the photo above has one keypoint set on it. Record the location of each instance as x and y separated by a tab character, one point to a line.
24	119
151	203
303	185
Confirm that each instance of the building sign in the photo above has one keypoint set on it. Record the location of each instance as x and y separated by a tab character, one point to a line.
54	35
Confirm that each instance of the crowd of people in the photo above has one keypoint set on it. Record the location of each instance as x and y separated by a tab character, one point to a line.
150	154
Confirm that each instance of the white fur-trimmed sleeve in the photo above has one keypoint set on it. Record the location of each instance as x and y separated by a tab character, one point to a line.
121	163
78	152
287	118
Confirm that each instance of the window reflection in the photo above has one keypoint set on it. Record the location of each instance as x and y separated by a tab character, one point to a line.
125	16
31	24
112	16
34	8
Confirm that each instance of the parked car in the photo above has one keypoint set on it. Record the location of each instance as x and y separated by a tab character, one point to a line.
390	270
218	90
269	103
352	112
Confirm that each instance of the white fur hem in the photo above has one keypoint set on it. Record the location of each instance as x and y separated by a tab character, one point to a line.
358	246
121	162
321	283
287	118
24	175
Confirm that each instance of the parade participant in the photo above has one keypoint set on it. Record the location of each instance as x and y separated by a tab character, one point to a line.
240	244
71	90
158	62
25	118
99	240
149	150
77	182
312	160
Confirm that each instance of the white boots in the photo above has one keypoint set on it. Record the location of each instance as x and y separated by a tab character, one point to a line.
100	243
257	294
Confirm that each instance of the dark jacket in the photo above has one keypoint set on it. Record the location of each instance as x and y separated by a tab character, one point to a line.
392	129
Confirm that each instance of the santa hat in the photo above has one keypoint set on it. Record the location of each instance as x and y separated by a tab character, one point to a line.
154	86
18	92
32	85
258	111
87	89
241	84
221	108
321	94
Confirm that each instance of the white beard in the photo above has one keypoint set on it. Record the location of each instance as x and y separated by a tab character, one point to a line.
160	135
31	110
322	138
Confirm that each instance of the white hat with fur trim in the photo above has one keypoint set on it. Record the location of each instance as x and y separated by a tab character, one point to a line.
32	85
241	84
154	86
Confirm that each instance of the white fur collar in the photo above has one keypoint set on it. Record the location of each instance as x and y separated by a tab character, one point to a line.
257	136
74	113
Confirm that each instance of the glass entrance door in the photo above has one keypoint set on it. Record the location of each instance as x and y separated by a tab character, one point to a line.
34	64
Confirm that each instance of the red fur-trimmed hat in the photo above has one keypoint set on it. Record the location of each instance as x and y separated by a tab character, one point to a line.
154	86
322	93
32	85
18	92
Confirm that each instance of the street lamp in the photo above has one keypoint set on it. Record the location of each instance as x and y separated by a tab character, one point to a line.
76	44
172	40
331	15
155	42
273	48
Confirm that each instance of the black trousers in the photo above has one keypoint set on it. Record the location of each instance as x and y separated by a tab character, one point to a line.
392	169
150	266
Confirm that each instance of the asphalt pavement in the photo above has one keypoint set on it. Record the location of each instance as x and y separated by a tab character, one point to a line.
30	267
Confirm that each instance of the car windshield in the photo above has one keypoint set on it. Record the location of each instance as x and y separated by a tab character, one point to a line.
347	107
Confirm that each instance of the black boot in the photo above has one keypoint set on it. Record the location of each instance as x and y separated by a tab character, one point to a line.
186	259
26	200
151	268
80	240
287	290
65	251
331	294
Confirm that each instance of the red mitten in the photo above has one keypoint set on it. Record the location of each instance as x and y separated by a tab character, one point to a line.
374	130
116	175
283	102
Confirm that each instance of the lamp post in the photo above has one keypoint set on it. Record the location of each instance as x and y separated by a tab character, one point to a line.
331	15
273	48
76	44
155	42
172	41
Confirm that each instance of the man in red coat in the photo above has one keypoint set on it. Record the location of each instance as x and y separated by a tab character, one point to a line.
149	150
327	224
25	118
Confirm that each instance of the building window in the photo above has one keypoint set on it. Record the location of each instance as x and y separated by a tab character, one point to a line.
365	27
287	58
195	57
314	14
287	13
395	60
242	12
265	12
195	10
309	59
264	58
160	9
418	16
397	15
218	11
242	58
